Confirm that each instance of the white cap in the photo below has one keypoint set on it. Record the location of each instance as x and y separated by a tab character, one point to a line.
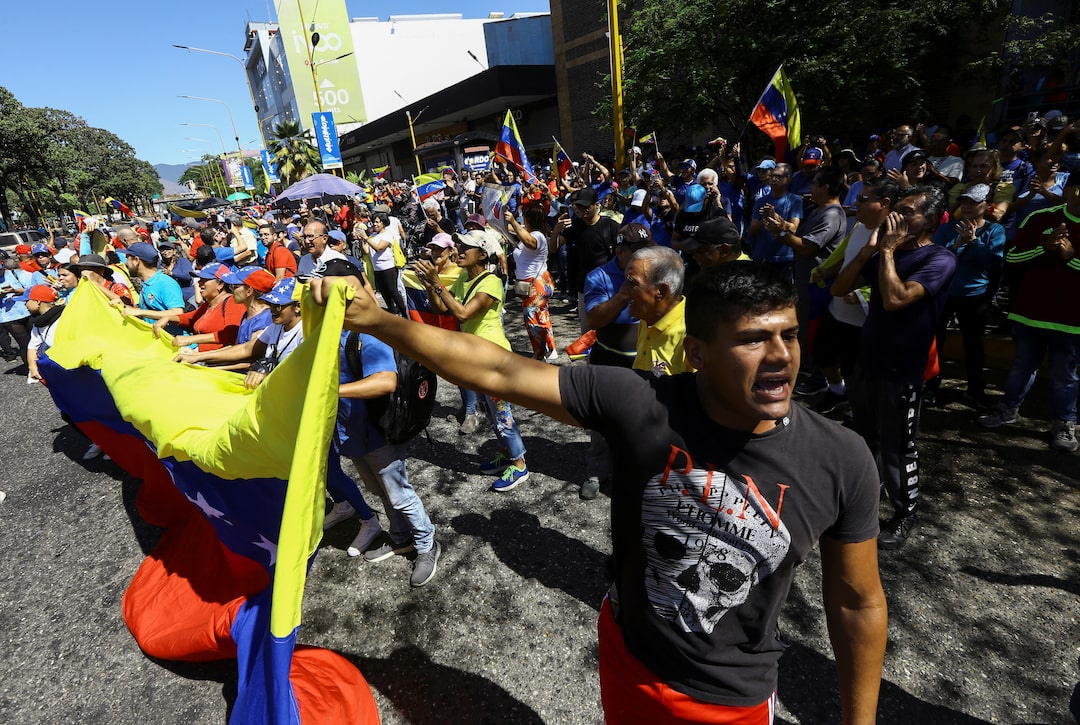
639	197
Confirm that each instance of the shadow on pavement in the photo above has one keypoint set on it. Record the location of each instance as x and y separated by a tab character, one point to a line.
534	552
223	671
808	689
1071	586
426	693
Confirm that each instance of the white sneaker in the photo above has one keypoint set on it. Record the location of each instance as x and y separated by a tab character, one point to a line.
342	510
552	356
368	531
92	452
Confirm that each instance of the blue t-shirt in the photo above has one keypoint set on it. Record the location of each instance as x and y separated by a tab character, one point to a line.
354	433
977	260
661	231
161	292
895	344
251	326
305	266
10	310
765	247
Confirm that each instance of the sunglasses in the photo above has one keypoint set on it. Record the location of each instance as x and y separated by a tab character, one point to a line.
279	308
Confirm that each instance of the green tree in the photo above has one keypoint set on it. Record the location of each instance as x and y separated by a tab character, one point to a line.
698	63
22	146
293	152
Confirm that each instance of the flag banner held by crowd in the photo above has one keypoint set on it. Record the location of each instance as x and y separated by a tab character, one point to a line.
269	168
510	147
326	133
381	172
241	509
777	115
428	185
560	161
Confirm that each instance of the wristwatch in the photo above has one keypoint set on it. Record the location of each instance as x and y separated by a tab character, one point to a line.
784	233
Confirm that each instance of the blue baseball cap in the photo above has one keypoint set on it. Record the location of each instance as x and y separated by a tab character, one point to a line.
215	270
694	201
338	235
282	294
40	249
144	251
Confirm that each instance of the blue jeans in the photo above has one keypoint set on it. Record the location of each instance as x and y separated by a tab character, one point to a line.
383	472
468	399
505	426
1032	343
343	488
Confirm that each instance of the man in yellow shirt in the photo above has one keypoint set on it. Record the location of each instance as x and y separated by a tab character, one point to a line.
654	284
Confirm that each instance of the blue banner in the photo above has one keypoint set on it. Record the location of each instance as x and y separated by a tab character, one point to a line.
326	133
249	180
270	168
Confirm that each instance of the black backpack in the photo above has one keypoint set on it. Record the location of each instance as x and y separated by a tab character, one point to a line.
402	414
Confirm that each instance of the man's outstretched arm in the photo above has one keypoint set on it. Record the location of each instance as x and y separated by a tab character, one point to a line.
461	358
858	619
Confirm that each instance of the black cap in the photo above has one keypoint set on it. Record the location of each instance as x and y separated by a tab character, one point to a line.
280	228
717	232
585	196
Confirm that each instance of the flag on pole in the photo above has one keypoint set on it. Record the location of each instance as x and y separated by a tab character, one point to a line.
718	141
560	161
80	219
777	114
631	132
650	137
512	149
428	185
119	206
380	172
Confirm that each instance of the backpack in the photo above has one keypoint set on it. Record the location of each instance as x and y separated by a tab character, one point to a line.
402	414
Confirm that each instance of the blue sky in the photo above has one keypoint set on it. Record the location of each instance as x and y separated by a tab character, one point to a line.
113	63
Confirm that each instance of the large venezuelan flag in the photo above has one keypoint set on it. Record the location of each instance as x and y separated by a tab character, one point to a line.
237	479
510	147
777	115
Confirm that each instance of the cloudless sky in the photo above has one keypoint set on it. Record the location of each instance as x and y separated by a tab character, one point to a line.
113	63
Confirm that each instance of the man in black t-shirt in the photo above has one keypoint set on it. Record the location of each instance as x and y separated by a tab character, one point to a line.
720	489
590	240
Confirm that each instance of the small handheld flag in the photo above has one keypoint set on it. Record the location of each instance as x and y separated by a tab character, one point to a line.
648	138
561	162
428	185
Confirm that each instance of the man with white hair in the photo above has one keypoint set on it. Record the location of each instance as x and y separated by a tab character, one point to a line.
654	285
436	223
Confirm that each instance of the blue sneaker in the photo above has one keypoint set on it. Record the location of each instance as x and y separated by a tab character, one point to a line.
496	466
511	477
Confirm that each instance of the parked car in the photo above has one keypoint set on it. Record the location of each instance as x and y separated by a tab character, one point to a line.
10	240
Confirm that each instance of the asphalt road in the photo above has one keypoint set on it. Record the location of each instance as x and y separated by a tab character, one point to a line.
984	600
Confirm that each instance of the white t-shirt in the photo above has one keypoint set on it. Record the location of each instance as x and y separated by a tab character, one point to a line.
531	263
279	341
385	259
852	314
950	166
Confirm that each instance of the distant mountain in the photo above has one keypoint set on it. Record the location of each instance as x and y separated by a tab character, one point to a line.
171	172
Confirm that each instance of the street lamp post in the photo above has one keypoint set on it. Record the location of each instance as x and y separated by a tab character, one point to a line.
251	91
220	139
228	110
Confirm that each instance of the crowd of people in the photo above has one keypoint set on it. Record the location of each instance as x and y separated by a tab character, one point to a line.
829	275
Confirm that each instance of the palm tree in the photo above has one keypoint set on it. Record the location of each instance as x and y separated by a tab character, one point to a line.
294	153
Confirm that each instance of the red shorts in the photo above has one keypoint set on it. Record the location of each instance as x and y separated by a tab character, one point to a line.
632	694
